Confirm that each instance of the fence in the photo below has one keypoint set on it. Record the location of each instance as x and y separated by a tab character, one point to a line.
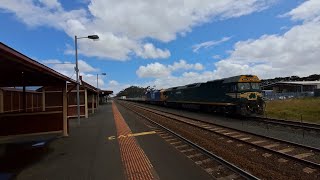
275	96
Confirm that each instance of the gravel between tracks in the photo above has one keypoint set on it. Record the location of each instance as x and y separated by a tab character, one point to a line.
219	171
280	132
256	161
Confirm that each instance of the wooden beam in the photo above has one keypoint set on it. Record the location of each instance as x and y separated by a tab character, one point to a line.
31	102
19	107
43	99
24	100
86	103
11	101
65	112
92	103
72	87
1	101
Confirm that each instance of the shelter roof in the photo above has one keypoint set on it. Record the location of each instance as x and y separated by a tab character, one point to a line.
106	92
88	86
16	69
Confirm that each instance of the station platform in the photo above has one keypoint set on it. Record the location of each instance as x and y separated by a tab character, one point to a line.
110	144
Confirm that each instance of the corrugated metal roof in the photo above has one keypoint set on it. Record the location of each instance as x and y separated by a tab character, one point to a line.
300	82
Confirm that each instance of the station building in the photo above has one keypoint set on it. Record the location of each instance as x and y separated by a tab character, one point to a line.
36	101
293	86
22	113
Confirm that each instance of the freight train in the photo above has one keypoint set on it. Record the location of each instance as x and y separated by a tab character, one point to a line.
239	95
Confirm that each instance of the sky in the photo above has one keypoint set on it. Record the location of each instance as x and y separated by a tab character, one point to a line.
166	43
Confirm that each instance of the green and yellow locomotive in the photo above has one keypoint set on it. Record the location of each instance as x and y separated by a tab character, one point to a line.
236	95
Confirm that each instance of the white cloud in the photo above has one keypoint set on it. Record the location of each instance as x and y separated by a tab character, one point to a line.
113	83
42	13
163	19
295	52
182	64
309	10
124	26
88	73
153	70
216	57
158	70
184	79
51	4
198	66
85	67
116	86
51	61
208	44
67	67
149	51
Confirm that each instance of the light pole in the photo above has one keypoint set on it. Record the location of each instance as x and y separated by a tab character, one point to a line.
98	85
77	69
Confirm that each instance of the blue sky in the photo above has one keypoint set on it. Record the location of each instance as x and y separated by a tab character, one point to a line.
166	44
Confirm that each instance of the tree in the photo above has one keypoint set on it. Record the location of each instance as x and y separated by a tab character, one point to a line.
133	92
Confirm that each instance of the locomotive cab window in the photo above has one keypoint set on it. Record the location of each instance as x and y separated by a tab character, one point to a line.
244	86
231	88
255	86
248	86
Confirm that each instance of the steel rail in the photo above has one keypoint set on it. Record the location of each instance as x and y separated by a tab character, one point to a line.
295	124
242	131
217	158
313	164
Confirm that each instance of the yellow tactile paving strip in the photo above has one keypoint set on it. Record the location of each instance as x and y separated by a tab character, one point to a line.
135	162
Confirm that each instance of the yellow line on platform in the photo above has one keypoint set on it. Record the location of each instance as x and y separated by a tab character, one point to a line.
132	135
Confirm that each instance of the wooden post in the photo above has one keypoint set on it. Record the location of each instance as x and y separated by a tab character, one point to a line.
1	101
24	96
86	103
43	99
65	112
97	101
92	103
19	107
11	99
31	102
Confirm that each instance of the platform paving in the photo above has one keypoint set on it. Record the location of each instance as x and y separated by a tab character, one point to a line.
85	154
88	153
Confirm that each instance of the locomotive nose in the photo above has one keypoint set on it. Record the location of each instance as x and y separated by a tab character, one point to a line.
253	96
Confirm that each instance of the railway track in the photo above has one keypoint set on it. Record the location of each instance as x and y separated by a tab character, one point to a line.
210	162
293	124
308	156
286	123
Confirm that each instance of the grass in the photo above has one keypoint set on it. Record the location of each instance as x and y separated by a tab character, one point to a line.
294	109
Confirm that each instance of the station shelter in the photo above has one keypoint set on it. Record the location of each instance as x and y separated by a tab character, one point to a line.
104	96
25	112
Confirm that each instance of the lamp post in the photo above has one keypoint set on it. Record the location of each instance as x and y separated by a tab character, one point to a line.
98	85
77	69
